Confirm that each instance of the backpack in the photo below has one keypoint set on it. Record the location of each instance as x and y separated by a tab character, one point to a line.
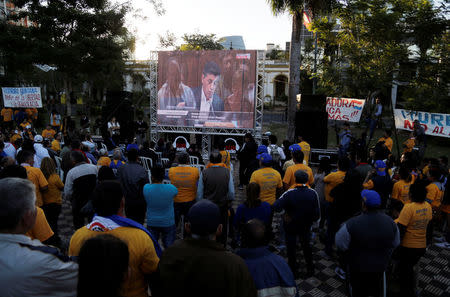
275	154
276	158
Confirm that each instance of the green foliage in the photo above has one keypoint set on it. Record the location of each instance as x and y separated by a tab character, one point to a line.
376	41
197	41
86	40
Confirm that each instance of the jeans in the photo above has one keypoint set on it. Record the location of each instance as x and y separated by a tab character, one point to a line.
408	258
304	234
182	208
52	211
167	234
366	284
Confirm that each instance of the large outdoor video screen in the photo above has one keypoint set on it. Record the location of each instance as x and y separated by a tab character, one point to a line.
214	89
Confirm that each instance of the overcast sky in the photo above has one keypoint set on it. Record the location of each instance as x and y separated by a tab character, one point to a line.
252	19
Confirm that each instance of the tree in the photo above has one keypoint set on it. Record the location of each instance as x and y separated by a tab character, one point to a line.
86	40
376	41
197	41
295	8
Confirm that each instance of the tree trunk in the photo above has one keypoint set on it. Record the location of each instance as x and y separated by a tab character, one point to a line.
294	72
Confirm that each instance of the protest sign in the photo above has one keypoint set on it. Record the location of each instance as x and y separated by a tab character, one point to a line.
344	109
22	97
436	124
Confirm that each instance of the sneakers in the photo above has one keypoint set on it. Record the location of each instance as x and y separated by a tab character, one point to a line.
241	187
340	272
444	245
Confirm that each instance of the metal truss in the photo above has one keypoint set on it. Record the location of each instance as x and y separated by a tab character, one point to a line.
153	81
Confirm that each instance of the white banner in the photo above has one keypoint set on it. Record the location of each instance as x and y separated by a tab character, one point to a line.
344	109
22	97
436	124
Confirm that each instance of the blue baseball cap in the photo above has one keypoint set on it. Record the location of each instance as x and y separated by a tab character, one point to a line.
295	147
371	198
204	217
381	167
261	149
265	158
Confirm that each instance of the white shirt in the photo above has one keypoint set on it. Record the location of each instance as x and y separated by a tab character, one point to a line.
41	153
205	105
10	150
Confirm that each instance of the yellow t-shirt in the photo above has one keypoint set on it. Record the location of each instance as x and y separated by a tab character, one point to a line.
185	179
36	176
7	114
56	146
41	229
415	217
216	164
24	124
268	180
48	133
104	161
409	145
289	177
434	195
388	142
55	186
306	149
15	137
226	158
332	180
143	259
400	191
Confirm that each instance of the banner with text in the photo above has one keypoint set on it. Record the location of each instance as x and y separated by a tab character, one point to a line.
436	124
344	109
22	97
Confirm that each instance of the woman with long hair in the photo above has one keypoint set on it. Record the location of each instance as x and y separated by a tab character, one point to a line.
253	208
52	198
103	266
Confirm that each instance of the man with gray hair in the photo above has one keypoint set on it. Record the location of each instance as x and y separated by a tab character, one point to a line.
27	267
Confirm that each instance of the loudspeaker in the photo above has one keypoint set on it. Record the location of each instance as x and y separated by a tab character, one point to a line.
313	102
313	127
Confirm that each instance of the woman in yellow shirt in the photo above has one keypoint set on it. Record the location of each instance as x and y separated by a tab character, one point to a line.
412	223
52	198
400	191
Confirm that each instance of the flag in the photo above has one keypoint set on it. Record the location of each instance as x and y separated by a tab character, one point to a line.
307	21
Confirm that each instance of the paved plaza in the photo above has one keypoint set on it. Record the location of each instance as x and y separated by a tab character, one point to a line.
434	267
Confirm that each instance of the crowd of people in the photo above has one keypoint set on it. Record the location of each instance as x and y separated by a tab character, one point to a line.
375	215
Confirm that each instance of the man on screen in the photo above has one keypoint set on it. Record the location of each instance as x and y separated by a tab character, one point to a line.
206	101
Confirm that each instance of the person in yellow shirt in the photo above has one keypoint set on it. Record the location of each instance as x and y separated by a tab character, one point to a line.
104	160
26	159
15	136
48	132
7	115
56	144
306	149
185	179
289	176
387	139
25	124
52	198
412	223
268	179
144	253
335	178
409	144
400	191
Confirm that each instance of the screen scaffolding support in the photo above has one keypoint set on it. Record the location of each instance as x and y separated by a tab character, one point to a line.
206	133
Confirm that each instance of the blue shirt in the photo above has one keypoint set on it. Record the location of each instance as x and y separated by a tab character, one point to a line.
159	198
244	213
